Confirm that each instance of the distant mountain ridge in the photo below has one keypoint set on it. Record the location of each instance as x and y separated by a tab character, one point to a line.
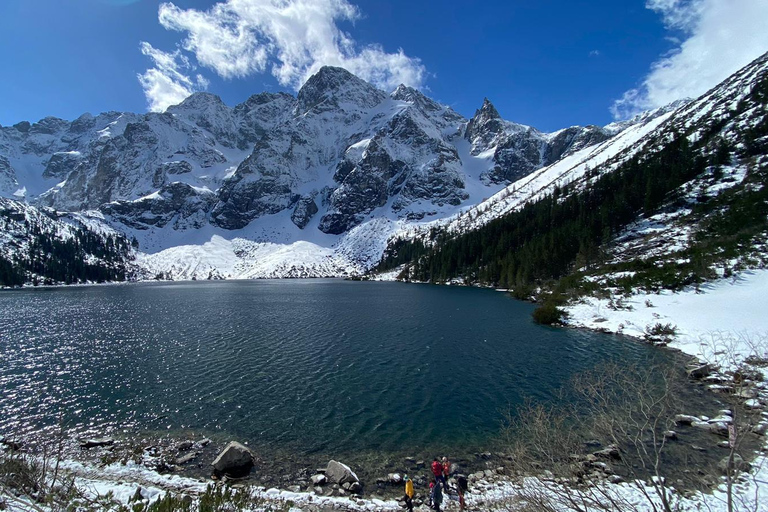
341	166
340	150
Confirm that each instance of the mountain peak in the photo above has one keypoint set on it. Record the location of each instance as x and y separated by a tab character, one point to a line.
334	83
488	111
198	100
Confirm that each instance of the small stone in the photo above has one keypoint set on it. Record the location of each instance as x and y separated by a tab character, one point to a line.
319	479
186	458
698	448
394	478
670	434
184	445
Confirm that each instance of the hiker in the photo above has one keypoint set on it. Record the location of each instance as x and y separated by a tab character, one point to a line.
463	485
408	494
437	470
437	498
446	469
431	492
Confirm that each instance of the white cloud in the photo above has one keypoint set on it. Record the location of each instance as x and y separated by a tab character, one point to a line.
166	84
290	38
720	37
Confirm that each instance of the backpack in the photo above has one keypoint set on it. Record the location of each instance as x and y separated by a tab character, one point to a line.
463	483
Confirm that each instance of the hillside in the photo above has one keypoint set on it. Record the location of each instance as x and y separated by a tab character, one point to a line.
671	203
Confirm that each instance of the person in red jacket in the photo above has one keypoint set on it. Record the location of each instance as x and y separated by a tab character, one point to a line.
437	470
446	468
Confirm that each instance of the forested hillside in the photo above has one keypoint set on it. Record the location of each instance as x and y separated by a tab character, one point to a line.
39	248
703	170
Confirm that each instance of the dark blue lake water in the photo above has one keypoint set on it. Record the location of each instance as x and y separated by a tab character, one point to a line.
313	366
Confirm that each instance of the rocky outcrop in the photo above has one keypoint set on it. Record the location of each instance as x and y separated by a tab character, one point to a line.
183	204
304	210
62	163
234	460
8	181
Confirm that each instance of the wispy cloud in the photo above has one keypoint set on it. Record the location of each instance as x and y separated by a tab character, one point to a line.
718	38
167	84
291	39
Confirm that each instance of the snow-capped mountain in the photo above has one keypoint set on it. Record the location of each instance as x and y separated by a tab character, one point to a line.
280	169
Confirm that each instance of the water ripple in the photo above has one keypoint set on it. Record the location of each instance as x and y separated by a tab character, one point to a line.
319	366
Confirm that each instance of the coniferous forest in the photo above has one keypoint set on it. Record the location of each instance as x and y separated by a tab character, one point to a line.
83	257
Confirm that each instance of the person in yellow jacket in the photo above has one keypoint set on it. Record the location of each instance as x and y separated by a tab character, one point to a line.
408	494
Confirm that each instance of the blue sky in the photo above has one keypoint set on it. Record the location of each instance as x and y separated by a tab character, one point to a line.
546	63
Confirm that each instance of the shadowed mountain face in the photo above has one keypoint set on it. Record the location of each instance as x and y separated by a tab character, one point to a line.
340	152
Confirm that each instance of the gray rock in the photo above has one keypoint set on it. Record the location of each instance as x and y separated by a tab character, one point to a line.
96	441
61	164
184	445
319	479
685	419
699	372
234	460
739	464
609	452
303	212
670	434
394	478
338	473
185	459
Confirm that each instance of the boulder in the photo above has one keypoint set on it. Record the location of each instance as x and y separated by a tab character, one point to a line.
319	479
739	464
746	393
394	478
339	473
234	460
96	441
685	419
184	445
610	452
698	372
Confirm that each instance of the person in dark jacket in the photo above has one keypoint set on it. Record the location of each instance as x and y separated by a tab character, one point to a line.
462	485
437	498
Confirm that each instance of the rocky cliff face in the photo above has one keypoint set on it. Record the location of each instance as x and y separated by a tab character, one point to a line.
339	153
519	150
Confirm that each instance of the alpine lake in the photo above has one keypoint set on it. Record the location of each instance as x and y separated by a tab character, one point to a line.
378	375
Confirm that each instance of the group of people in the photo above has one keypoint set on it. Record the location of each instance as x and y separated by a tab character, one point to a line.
441	471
